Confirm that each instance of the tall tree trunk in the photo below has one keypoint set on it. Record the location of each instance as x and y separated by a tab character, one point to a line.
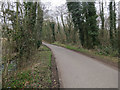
66	36
111	22
93	28
114	15
75	10
39	24
102	16
58	26
119	29
69	23
52	25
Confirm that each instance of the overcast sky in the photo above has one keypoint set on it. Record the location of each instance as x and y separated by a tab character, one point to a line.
55	3
59	2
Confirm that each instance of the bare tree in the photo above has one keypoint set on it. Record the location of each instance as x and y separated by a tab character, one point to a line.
62	12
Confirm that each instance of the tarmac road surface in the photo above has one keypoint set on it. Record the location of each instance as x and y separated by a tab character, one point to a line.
79	71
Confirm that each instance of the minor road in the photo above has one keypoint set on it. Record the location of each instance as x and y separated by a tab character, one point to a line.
78	71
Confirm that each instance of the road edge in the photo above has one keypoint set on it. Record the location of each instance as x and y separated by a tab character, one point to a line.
100	59
55	83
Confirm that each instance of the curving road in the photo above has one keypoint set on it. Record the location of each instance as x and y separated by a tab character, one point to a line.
78	71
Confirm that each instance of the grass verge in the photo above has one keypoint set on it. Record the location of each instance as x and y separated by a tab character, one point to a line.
37	75
92	53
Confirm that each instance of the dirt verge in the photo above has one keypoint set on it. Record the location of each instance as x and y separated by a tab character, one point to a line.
100	59
54	73
55	78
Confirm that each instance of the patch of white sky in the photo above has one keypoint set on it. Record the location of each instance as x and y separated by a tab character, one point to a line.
54	3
